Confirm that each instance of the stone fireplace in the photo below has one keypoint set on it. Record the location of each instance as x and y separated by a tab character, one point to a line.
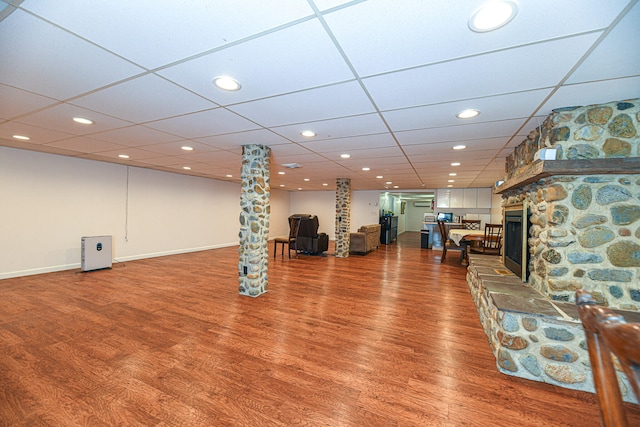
584	233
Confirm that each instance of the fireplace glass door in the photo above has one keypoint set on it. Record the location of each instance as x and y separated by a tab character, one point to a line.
515	249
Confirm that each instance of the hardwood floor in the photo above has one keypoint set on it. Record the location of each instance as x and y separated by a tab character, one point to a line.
387	339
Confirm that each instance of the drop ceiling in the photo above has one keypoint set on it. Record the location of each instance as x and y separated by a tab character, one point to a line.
379	80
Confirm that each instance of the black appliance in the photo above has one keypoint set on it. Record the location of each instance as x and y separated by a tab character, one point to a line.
388	229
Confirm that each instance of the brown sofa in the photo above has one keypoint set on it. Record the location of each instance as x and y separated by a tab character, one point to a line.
365	240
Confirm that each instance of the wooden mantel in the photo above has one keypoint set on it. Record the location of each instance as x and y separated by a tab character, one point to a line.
545	168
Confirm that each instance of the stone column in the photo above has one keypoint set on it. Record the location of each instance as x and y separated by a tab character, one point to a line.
254	220
343	216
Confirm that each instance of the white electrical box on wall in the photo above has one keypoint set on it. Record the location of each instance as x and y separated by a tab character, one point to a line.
96	253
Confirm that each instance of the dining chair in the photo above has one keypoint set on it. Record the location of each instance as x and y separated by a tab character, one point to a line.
448	244
608	333
290	241
492	241
471	224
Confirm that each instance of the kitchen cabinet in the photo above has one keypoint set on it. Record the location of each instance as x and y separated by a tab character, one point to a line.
466	198
469	198
449	197
484	198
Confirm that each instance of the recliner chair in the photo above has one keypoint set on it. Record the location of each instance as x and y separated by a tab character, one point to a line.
309	241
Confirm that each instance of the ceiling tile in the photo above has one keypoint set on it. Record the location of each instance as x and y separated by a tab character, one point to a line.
16	102
437	31
501	107
483	75
144	99
459	134
60	118
594	93
342	145
174	148
217	121
346	99
37	134
303	159
84	144
73	66
135	136
135	154
219	157
444	149
292	59
608	60
235	140
182	29
365	124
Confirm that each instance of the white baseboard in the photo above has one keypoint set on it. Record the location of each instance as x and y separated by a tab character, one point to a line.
53	269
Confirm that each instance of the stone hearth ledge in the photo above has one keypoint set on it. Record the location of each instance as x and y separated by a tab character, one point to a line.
530	335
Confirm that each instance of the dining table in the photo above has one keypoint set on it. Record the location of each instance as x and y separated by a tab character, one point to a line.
457	235
463	237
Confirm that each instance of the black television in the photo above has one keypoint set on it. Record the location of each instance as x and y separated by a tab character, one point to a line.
445	216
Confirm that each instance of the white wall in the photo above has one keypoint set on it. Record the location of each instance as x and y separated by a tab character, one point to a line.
319	203
364	208
415	216
49	202
496	209
279	215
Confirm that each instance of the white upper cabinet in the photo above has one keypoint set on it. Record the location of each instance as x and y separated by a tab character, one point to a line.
442	198
456	198
484	198
469	198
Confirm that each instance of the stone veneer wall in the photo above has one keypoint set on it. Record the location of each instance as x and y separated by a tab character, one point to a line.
585	233
254	220
591	132
585	229
343	216
531	336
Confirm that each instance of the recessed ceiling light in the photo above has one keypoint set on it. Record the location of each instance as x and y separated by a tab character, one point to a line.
21	137
124	156
450	185
299	188
308	133
307	179
187	148
366	169
453	174
292	165
229	175
451	180
280	173
83	121
389	182
459	147
468	114
345	156
187	168
226	83
492	15
455	164
396	186
379	176
325	184
281	185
